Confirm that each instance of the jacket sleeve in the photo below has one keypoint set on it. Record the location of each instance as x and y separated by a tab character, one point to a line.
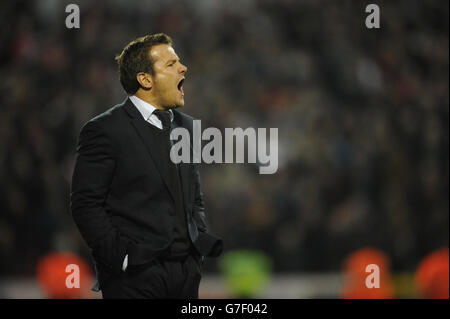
93	172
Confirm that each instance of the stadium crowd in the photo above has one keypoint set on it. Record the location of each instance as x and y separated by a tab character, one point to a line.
362	118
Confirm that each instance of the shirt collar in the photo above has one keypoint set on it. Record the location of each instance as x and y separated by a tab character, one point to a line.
145	108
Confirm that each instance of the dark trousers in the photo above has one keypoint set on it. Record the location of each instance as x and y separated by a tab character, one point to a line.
160	279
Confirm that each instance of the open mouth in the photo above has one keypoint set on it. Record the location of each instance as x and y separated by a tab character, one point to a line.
180	86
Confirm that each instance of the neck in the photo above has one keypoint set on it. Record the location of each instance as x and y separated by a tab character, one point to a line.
149	99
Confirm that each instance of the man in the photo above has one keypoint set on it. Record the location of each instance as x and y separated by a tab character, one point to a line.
141	214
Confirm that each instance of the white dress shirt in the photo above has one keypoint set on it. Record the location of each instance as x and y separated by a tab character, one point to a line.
146	109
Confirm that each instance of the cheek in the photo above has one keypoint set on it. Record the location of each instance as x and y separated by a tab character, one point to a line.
165	89
164	83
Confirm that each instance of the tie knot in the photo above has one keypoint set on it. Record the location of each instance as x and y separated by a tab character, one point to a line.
164	117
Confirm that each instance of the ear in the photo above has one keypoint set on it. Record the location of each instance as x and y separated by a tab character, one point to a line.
145	80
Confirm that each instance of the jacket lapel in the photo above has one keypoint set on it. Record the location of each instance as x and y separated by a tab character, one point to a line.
153	144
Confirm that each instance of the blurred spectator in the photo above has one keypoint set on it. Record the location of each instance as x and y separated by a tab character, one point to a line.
432	275
246	272
358	275
64	276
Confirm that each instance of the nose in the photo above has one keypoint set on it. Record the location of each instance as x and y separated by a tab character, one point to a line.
183	69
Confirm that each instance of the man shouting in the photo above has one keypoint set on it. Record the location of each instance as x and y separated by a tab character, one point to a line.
142	215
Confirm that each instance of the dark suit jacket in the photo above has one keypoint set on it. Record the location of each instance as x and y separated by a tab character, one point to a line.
121	199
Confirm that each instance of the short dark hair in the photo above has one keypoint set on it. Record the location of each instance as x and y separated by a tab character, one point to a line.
136	58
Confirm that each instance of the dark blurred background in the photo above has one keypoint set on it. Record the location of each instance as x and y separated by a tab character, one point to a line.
362	116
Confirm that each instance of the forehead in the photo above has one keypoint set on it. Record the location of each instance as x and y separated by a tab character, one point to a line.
163	53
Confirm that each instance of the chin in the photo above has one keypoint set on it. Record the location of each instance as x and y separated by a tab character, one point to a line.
175	104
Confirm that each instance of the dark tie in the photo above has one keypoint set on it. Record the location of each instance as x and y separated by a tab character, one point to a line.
164	117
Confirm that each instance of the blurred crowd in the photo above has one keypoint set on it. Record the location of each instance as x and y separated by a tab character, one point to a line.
362	118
